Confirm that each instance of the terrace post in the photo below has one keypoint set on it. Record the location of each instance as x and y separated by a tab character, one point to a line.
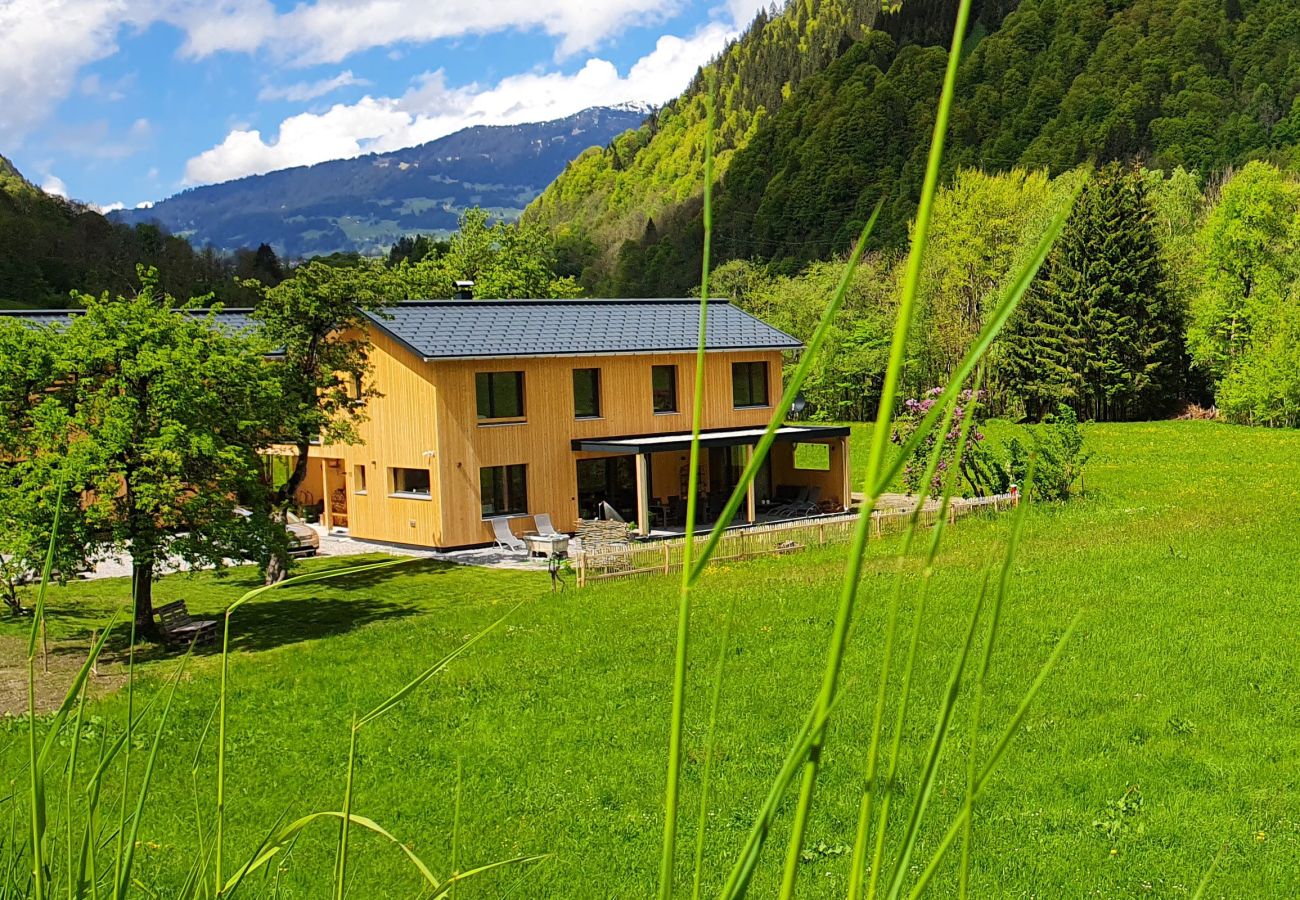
751	504
326	518
643	494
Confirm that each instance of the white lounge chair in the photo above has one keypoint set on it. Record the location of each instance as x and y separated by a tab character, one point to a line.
544	526
505	538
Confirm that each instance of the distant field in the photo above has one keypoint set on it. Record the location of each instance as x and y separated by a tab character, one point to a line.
1181	687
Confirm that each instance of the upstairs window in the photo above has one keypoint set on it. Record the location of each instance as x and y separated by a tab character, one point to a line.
410	482
500	395
586	393
503	490
664	379
749	384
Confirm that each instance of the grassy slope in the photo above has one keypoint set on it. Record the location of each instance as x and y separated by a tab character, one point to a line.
1181	681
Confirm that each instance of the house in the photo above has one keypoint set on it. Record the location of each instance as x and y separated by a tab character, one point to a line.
510	408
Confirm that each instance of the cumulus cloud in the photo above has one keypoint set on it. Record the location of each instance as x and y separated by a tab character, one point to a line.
432	109
327	31
54	186
111	207
310	90
43	45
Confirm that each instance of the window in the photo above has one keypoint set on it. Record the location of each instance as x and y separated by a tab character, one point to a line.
664	379
504	490
359	480
586	393
500	395
354	391
812	457
749	384
411	482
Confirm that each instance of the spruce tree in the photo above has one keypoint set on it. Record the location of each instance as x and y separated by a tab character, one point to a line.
1101	330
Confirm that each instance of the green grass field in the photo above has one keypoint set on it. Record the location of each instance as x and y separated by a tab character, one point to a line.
1179	690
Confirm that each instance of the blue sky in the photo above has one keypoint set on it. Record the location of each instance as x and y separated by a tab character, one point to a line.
122	102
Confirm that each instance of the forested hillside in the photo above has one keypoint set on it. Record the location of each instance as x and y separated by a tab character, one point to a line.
1202	84
50	247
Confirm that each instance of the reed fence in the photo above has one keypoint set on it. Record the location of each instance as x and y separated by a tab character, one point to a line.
604	559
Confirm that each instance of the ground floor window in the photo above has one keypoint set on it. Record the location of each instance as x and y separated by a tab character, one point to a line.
411	481
609	480
812	457
504	490
359	482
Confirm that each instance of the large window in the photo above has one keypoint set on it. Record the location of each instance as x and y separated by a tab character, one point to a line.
500	395
749	384
410	482
586	393
504	490
664	379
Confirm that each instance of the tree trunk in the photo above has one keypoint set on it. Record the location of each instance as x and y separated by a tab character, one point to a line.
277	564
142	592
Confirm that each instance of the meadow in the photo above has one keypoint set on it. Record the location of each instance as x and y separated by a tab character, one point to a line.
1170	728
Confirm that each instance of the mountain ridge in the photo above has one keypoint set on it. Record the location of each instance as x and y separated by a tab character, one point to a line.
366	203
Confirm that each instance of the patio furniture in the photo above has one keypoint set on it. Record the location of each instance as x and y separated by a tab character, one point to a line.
505	538
179	629
548	545
544	525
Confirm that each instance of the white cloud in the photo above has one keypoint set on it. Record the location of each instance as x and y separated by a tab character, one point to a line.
43	44
54	186
310	90
328	31
432	109
111	207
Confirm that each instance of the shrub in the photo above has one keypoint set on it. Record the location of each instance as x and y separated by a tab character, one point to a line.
1058	442
981	469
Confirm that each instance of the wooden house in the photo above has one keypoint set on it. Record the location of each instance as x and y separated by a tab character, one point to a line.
511	408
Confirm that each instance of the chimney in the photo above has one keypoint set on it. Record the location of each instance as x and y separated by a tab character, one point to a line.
464	290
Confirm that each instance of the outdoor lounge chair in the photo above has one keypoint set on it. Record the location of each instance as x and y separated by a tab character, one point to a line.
544	526
805	504
179	629
505	538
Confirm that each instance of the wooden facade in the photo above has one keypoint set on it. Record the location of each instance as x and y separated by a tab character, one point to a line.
427	421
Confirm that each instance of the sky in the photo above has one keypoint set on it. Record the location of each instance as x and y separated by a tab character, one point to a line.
124	102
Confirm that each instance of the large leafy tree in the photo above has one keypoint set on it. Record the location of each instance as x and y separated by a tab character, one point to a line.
317	322
153	412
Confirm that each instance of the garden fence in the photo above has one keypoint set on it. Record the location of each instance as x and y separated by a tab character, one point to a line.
620	560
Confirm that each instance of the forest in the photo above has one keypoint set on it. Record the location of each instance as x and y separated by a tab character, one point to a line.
805	151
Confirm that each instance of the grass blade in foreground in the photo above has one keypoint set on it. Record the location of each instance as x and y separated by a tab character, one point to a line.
225	674
672	789
879	439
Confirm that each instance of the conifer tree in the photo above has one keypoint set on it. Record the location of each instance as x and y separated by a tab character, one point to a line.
1101	331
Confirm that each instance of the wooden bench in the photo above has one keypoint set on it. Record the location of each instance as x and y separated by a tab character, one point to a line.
178	628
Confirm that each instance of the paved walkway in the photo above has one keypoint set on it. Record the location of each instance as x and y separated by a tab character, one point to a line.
342	545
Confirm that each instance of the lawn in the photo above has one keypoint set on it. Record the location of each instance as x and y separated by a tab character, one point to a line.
1179	690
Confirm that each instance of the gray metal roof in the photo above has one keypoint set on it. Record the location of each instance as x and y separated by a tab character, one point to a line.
478	329
234	319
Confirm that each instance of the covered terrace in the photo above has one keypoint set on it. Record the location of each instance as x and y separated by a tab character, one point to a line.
646	478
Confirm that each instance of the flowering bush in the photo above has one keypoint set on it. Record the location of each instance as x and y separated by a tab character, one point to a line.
979	468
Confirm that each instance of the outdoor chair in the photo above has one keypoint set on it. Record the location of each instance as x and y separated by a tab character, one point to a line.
505	538
179	629
544	525
794	506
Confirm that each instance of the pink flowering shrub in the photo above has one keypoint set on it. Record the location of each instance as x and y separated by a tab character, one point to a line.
980	470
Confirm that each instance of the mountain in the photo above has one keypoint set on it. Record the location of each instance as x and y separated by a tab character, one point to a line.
1044	84
367	203
50	246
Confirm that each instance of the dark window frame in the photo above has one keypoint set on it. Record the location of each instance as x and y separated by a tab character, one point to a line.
595	410
655	392
500	482
400	487
485	395
743	384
